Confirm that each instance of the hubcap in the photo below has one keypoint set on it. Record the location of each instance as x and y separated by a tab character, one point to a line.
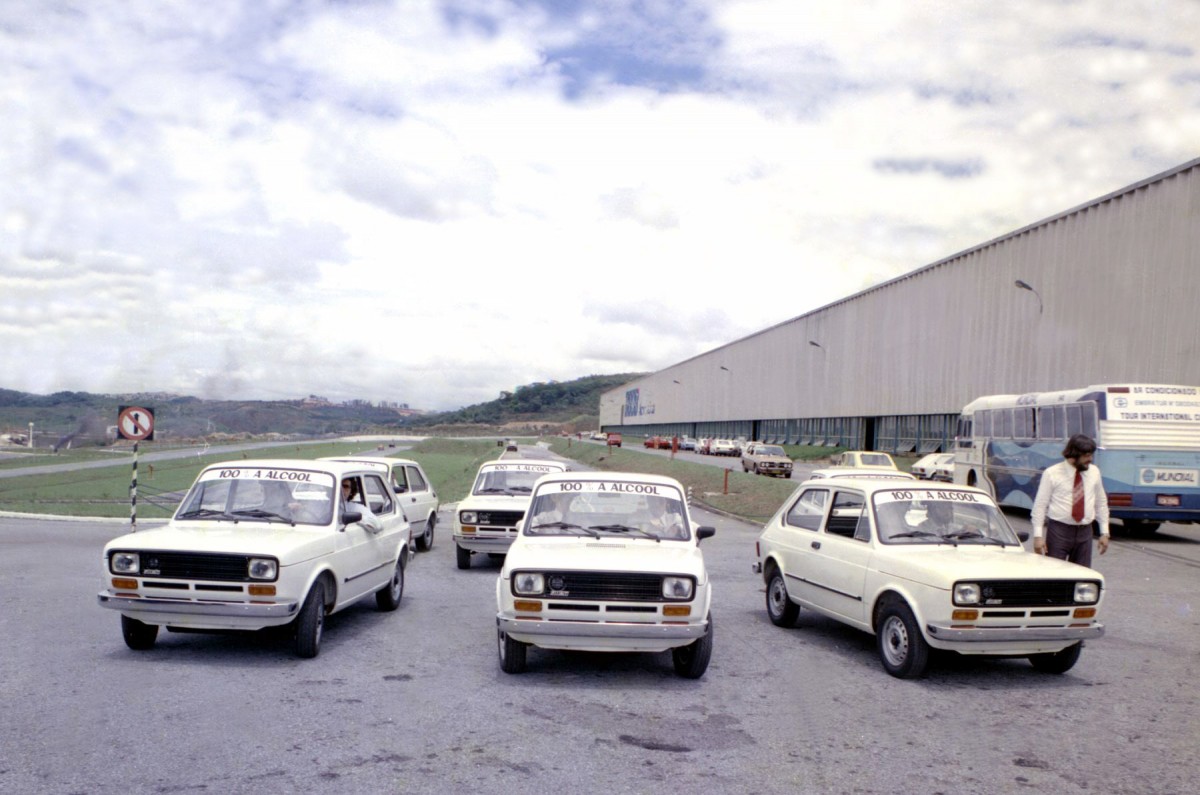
895	641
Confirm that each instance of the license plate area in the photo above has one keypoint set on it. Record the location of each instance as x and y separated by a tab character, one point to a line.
1168	500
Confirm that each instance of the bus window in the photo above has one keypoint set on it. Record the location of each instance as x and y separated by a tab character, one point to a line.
1002	424
1022	424
983	424
1089	420
1050	422
1074	421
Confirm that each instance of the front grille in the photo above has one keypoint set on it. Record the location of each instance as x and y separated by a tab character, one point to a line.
501	518
195	566
1028	593
604	586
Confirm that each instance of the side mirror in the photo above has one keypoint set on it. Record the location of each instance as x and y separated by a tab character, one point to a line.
705	532
1023	535
350	517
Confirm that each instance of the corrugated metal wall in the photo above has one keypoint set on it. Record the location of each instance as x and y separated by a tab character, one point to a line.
1119	280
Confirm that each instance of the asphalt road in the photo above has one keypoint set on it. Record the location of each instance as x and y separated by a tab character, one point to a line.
414	701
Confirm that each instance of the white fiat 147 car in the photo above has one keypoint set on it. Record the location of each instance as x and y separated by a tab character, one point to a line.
488	519
924	566
259	544
606	561
416	495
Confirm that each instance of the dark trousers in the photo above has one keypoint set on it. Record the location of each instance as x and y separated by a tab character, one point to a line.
1071	542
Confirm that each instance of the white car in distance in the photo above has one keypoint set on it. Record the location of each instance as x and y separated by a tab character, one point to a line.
606	561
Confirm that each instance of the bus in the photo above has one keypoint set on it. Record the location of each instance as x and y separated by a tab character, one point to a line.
1147	447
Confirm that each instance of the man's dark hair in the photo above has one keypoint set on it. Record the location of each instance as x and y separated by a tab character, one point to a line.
1078	445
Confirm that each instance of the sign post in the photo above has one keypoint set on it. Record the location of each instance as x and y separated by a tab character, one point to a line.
136	423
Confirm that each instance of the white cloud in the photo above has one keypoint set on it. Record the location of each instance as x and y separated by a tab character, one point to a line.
431	202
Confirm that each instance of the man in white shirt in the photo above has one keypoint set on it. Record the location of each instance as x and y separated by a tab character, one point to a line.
1069	498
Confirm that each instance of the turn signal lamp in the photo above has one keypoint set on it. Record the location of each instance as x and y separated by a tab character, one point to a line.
261	590
1085	612
527	606
965	615
468	530
677	610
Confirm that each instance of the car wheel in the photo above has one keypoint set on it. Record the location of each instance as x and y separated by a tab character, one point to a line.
512	653
425	541
1137	527
1058	662
388	597
691	661
311	622
902	649
464	557
782	611
138	635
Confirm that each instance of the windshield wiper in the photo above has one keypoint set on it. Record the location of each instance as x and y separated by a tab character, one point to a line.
206	513
259	513
915	534
493	491
964	534
564	526
624	528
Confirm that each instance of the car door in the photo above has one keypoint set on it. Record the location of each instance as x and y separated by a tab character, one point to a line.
366	557
799	531
418	500
841	555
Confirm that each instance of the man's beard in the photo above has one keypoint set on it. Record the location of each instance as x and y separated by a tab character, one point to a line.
1080	467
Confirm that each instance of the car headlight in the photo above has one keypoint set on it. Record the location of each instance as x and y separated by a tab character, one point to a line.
468	517
1087	592
527	583
125	563
677	587
263	569
966	593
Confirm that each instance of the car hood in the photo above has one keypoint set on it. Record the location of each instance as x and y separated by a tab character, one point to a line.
605	554
286	543
495	502
773	459
943	565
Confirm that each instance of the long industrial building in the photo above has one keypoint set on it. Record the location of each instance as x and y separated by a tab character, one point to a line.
1106	292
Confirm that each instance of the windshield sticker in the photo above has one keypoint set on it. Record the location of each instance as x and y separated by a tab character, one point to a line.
260	473
608	487
884	497
524	468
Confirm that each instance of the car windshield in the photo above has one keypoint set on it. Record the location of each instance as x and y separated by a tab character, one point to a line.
768	449
599	508
940	517
260	495
875	460
515	480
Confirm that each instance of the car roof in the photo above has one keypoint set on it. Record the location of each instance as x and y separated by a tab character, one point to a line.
872	473
386	461
873	485
623	477
516	463
337	468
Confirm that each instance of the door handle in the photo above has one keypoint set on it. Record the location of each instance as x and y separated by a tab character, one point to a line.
816	545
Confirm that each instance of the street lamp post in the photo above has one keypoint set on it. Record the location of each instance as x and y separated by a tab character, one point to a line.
1026	286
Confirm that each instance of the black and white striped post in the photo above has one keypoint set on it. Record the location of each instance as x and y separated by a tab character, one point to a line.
135	423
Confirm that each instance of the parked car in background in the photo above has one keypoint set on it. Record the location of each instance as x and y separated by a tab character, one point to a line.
687	443
257	544
766	459
606	561
921	567
863	458
722	447
614	439
935	466
488	519
704	446
415	494
651	442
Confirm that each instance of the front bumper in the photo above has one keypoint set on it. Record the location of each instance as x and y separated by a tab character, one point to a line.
198	611
1013	634
601	635
485	543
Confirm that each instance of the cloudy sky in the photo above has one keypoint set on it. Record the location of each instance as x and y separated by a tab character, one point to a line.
430	202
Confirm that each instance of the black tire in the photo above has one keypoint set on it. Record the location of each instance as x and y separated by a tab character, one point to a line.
1058	662
464	557
425	540
310	624
782	611
139	636
388	597
512	653
1139	527
691	661
902	648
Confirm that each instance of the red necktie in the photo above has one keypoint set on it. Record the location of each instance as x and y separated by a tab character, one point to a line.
1077	498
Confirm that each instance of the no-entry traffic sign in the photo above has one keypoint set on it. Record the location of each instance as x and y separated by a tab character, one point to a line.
136	423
